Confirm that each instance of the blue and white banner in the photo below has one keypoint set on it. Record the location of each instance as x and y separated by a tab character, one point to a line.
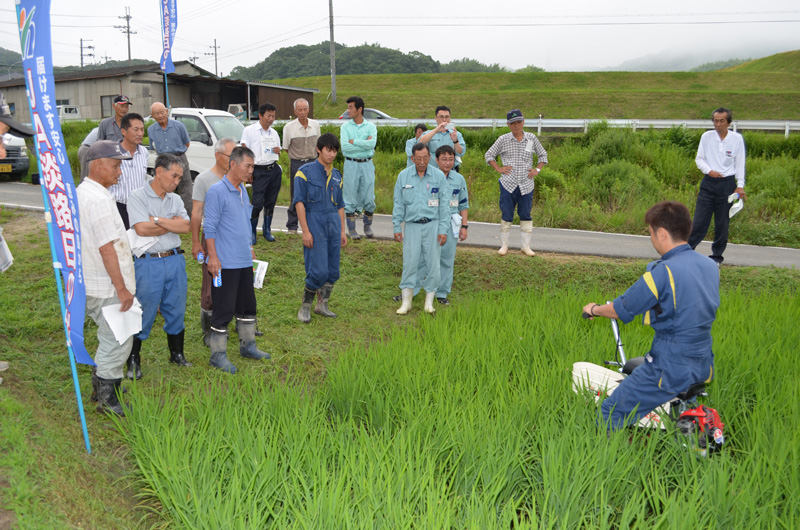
58	188
169	25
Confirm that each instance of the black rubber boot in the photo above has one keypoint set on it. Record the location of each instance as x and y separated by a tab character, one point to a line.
351	226
304	315
254	227
93	397
175	343
107	399
219	351
266	229
135	361
323	296
368	225
205	325
247	339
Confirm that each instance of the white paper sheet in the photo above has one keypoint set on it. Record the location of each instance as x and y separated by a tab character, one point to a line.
455	224
139	244
259	271
123	325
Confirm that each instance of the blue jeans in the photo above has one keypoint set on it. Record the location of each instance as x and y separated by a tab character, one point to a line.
509	201
161	282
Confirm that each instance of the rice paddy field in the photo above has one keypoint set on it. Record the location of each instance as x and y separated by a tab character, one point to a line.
467	420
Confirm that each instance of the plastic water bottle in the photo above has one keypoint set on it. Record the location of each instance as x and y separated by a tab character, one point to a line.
733	197
201	258
218	279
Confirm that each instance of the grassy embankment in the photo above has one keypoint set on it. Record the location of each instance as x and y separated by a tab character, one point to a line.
466	418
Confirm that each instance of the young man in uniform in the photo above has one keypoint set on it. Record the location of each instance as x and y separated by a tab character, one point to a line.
320	211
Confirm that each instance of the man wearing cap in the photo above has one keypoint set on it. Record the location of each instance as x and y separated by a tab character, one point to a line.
155	211
134	170
516	150
9	125
421	204
111	128
204	181
720	157
265	143
419	130
169	136
230	254
107	267
445	133
83	151
359	137
300	141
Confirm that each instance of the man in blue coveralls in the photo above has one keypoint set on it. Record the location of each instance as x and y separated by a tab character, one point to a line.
420	203
359	137
320	212
419	130
678	297
155	211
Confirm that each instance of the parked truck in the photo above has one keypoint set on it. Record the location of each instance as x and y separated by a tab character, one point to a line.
205	127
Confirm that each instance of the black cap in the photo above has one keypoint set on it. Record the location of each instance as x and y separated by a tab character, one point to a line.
122	99
514	115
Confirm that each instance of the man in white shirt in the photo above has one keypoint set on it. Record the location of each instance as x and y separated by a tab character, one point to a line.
300	141
134	170
107	267
720	157
265	142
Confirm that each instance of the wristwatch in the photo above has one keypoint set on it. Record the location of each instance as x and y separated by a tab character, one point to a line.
464	227
155	220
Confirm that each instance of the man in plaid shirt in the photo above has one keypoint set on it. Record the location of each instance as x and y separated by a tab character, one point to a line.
516	150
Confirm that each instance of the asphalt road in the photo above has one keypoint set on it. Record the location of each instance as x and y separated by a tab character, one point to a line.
554	240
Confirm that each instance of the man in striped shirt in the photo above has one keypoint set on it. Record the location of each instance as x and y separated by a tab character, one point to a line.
516	150
133	170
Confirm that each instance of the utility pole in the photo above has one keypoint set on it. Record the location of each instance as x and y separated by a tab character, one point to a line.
333	56
87	47
214	53
127	29
194	59
105	58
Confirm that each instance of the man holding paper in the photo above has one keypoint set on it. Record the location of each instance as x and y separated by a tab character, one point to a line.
156	211
107	267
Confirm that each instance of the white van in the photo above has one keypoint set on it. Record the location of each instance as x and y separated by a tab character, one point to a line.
205	127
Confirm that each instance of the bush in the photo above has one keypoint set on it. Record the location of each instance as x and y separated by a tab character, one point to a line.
618	184
672	167
619	144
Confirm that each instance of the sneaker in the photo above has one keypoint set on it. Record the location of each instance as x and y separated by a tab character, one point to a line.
293	231
397	298
443	301
3	366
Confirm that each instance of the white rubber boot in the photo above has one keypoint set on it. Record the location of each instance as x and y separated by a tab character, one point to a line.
429	302
405	307
505	231
525	231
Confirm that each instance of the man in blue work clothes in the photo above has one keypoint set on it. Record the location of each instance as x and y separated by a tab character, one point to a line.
171	137
230	253
678	297
420	202
445	133
155	211
358	147
320	211
419	130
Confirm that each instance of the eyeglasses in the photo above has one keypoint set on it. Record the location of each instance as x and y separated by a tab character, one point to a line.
421	158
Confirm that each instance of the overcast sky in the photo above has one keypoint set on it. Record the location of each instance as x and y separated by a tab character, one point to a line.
575	35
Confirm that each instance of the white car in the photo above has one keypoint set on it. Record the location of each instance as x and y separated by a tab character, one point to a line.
205	127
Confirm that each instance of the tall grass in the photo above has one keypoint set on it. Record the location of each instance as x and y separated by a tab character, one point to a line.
467	420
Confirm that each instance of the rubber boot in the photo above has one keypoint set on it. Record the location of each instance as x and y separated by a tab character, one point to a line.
405	307
304	314
266	229
368	225
505	231
175	343
135	361
205	325
525	231
254	227
351	226
323	295
107	398
429	302
247	339
93	397
219	351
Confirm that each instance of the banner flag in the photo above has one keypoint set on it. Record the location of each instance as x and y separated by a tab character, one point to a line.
58	188
169	25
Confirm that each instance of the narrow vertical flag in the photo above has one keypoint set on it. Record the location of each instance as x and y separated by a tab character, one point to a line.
169	25
58	188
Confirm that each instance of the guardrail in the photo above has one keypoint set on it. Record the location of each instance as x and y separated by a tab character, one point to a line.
583	124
